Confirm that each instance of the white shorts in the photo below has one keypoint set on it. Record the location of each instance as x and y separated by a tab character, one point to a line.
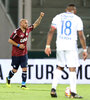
68	57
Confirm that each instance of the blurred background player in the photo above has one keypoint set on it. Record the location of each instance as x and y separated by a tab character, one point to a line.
68	25
18	39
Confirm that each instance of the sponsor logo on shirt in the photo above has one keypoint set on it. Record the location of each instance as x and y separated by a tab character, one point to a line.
23	40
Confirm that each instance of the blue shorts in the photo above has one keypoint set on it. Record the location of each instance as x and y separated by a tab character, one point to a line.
19	61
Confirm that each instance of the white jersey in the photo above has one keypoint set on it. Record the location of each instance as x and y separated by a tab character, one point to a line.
67	25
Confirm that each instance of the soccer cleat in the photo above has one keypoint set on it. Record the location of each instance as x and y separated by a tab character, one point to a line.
76	96
8	82
24	87
53	93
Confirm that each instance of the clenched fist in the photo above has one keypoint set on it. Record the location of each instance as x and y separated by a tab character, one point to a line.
41	14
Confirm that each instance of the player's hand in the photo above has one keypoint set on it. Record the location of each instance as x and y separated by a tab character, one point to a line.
22	46
85	55
48	51
41	14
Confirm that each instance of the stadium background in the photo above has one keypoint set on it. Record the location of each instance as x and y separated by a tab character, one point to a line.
12	10
10	13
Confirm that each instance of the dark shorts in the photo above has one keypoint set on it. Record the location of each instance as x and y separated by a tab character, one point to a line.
19	61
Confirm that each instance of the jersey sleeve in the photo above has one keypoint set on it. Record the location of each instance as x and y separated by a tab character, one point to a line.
54	22
31	27
13	35
80	24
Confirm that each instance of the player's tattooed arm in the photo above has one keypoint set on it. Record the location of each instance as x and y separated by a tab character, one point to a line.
37	22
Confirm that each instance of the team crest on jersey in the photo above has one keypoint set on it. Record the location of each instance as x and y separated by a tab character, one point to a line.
26	34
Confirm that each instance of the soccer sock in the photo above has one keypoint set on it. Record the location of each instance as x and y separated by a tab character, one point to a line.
24	77
57	74
11	73
72	78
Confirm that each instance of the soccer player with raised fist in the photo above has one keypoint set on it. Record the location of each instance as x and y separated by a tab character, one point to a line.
18	40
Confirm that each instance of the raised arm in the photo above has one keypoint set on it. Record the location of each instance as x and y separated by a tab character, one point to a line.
37	22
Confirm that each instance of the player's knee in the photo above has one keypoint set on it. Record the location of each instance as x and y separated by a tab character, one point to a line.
72	69
24	69
14	70
60	68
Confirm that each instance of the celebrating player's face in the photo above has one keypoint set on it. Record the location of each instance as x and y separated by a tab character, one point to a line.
25	24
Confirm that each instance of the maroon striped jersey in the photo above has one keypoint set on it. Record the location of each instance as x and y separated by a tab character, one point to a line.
21	38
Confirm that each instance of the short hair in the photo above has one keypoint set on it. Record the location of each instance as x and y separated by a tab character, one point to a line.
71	5
22	20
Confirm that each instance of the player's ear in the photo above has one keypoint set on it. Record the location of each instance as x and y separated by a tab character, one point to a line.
65	10
75	11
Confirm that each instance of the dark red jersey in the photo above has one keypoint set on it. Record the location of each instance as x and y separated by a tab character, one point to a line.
21	38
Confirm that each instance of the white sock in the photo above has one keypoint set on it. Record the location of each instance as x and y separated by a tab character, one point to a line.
57	74
72	78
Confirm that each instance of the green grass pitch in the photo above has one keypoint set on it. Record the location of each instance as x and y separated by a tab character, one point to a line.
40	92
